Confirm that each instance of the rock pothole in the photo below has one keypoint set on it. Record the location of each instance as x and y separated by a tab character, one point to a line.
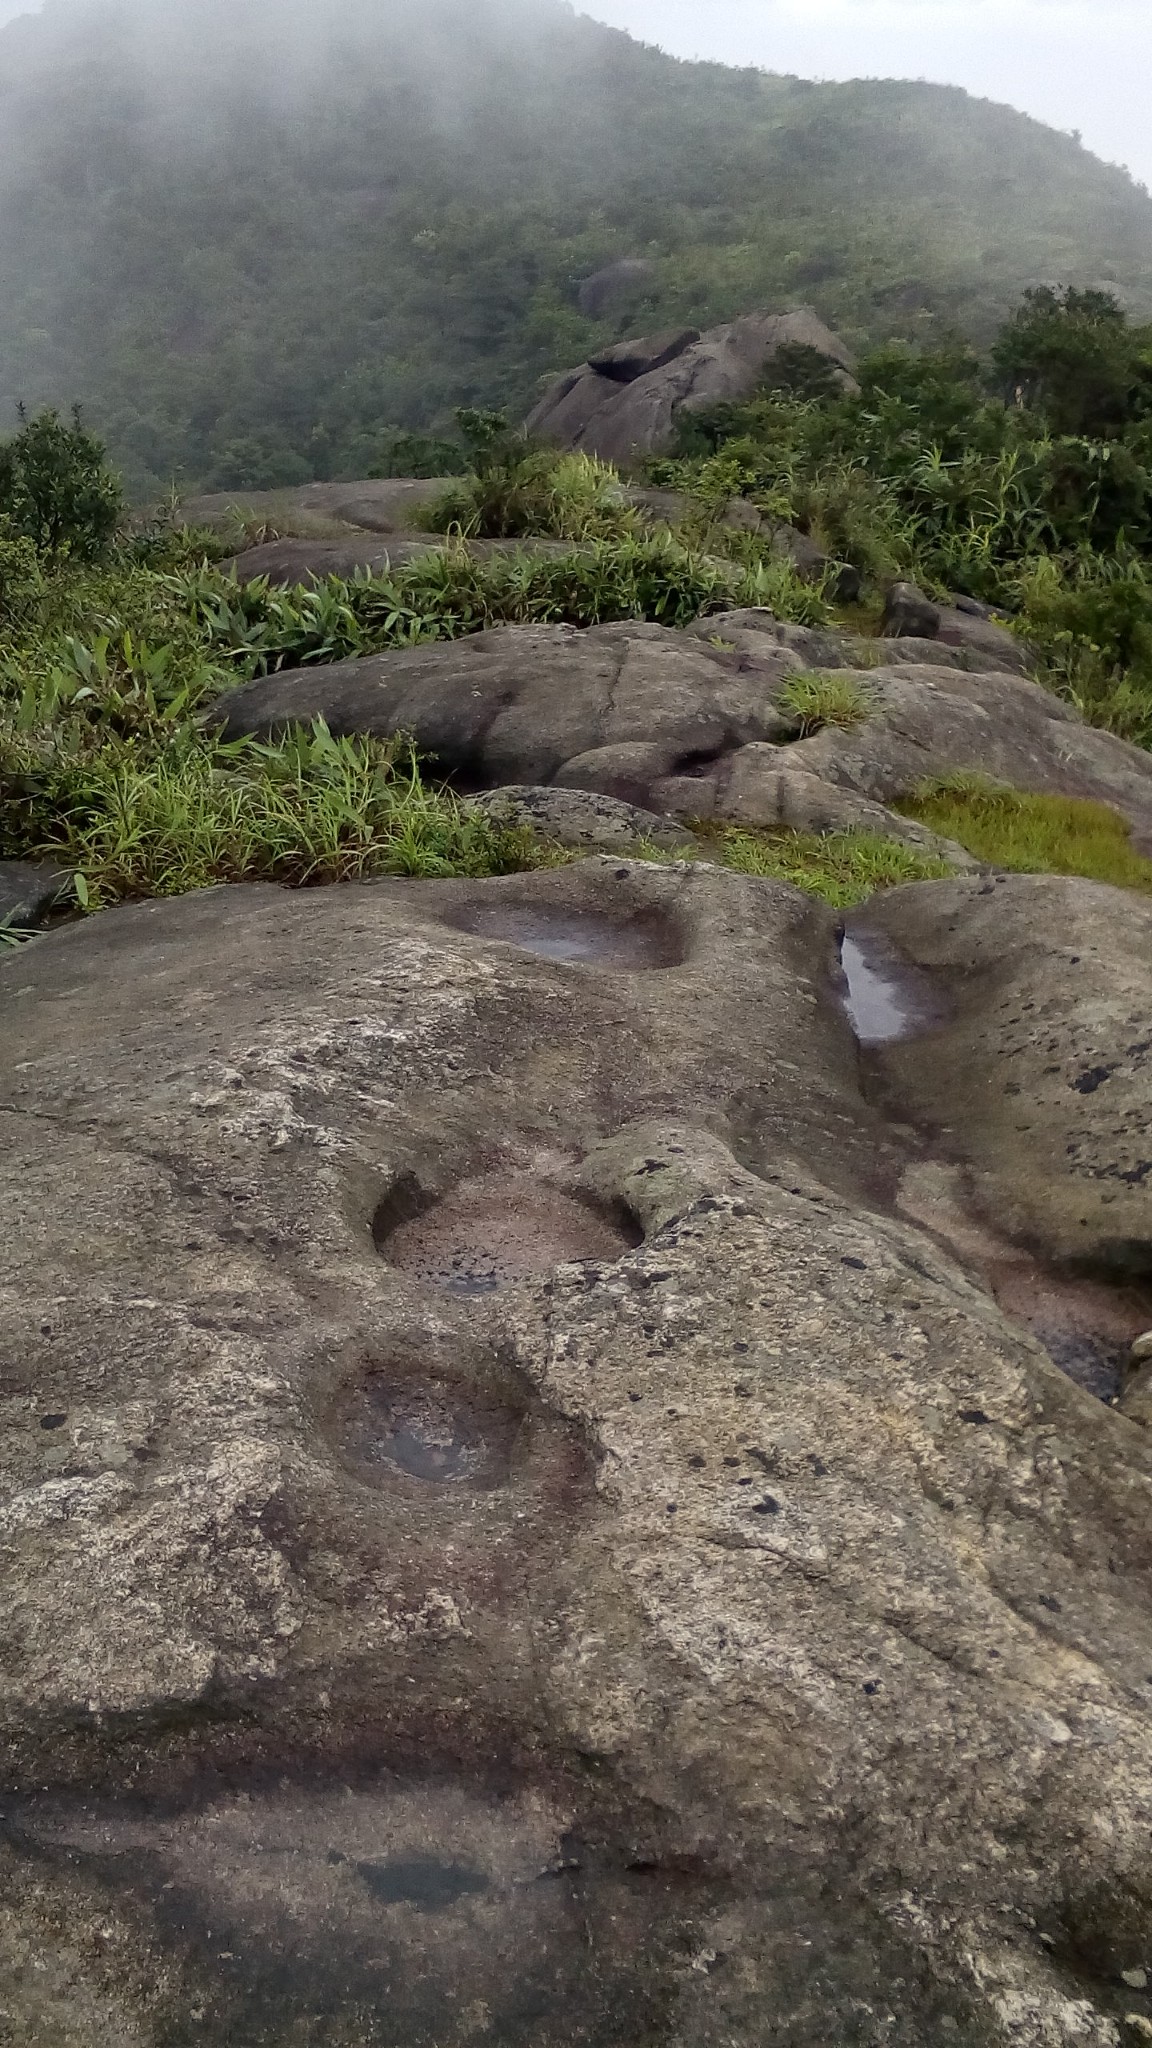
494	1230
631	945
886	999
438	1432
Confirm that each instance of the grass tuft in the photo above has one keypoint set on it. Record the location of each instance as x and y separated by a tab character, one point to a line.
842	868
306	809
1031	835
836	698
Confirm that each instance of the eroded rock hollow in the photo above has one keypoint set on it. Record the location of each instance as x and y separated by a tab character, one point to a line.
543	1499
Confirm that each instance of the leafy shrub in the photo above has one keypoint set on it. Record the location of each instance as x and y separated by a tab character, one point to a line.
56	488
21	577
837	698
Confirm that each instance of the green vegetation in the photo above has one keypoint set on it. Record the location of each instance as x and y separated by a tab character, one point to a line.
113	647
838	699
1024	481
1032	835
843	868
57	493
108	670
274	242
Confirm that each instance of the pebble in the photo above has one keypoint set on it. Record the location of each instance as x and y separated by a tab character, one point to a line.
1136	1980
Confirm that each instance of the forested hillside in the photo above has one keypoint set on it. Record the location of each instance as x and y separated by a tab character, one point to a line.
257	248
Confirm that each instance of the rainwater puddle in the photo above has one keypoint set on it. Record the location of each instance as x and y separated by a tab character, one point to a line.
634	945
440	1433
887	999
497	1229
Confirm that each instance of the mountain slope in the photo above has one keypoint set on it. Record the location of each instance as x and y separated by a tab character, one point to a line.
253	244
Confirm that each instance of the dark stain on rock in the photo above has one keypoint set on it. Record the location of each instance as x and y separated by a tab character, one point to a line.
421	1881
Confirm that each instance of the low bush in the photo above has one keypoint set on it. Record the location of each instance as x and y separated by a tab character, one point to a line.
309	808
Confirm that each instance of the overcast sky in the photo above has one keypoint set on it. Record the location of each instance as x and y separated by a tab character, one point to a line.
1083	64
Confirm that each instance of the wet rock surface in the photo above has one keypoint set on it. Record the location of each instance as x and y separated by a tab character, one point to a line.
714	1620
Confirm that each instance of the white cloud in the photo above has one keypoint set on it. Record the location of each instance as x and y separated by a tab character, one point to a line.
1078	64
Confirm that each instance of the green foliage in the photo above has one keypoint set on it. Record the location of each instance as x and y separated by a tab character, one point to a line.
1056	835
56	489
108	671
517	490
257	269
843	868
1072	355
837	699
307	809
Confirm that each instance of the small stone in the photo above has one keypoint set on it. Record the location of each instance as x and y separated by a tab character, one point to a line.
1141	1352
1136	1980
1141	2027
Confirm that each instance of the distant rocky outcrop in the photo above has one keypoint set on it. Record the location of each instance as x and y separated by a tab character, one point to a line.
623	402
615	286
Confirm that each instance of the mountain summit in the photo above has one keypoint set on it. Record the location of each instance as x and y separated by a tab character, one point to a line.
256	243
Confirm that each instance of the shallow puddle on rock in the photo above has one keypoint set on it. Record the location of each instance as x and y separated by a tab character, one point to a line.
887	999
497	1229
432	1430
392	1915
632	944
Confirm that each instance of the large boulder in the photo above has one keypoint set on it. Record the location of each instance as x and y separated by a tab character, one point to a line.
587	408
696	724
927	722
616	285
624	361
909	614
524	704
506	1536
291	562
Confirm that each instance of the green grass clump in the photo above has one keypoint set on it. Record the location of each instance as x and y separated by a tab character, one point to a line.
536	492
842	868
837	698
306	809
1032	835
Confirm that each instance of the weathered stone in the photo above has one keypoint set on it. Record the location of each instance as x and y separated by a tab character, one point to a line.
29	890
761	787
627	360
908	614
927	722
617	284
290	562
586	818
984	637
319	511
1042	1070
590	411
519	703
661	1645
